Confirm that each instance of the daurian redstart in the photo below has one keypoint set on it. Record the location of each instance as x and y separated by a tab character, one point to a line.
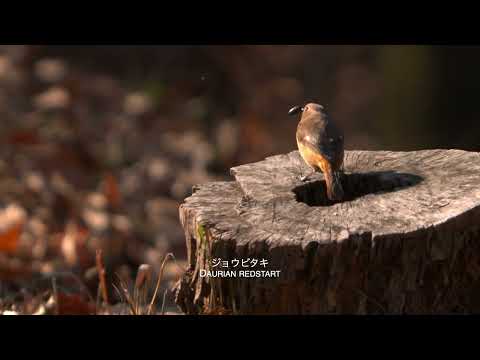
320	144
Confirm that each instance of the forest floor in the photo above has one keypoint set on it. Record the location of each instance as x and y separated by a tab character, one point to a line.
87	166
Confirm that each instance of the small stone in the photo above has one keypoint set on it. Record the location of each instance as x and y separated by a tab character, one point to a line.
53	99
50	70
97	220
97	200
12	215
35	182
8	312
121	223
158	169
137	104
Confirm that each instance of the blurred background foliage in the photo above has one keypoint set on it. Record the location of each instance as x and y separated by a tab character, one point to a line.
390	97
100	144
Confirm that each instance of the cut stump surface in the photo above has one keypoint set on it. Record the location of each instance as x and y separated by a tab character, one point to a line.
405	239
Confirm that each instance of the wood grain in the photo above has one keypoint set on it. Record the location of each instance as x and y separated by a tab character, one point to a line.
405	239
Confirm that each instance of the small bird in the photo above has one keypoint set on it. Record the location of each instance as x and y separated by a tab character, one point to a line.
320	144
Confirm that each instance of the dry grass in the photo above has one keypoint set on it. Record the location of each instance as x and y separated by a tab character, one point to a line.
137	299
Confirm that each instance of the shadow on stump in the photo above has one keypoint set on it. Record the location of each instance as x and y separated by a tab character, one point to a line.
356	185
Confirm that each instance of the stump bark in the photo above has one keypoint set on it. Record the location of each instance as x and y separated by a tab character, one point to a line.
406	238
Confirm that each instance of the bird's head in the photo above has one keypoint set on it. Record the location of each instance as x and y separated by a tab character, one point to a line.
310	108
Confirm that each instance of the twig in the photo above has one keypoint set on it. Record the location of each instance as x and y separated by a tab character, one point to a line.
158	282
55	295
101	275
142	283
126	295
163	302
77	279
97	303
120	296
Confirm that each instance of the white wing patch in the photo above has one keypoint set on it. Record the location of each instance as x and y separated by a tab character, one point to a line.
309	139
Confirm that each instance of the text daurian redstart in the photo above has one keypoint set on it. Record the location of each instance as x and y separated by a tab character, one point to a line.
320	144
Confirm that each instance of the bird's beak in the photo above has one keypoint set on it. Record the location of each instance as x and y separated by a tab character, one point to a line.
295	110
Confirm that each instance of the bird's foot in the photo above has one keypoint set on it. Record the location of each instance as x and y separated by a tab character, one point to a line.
304	178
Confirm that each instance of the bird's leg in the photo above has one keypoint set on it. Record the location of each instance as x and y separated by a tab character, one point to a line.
305	177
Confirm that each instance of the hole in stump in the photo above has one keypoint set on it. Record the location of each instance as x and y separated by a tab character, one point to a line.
355	185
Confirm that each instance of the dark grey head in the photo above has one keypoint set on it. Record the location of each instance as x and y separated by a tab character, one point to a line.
309	108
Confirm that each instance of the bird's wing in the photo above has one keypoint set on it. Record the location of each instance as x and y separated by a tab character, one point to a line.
323	138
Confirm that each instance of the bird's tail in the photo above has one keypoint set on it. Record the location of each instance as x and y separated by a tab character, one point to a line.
334	184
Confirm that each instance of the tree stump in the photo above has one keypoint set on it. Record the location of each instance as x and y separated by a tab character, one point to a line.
406	238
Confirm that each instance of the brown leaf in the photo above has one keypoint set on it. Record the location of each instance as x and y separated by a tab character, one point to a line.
73	304
73	244
24	137
9	239
12	268
111	190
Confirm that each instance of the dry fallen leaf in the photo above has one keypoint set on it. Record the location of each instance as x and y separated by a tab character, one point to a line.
24	137
9	239
13	268
50	70
73	245
8	312
73	304
53	98
111	190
